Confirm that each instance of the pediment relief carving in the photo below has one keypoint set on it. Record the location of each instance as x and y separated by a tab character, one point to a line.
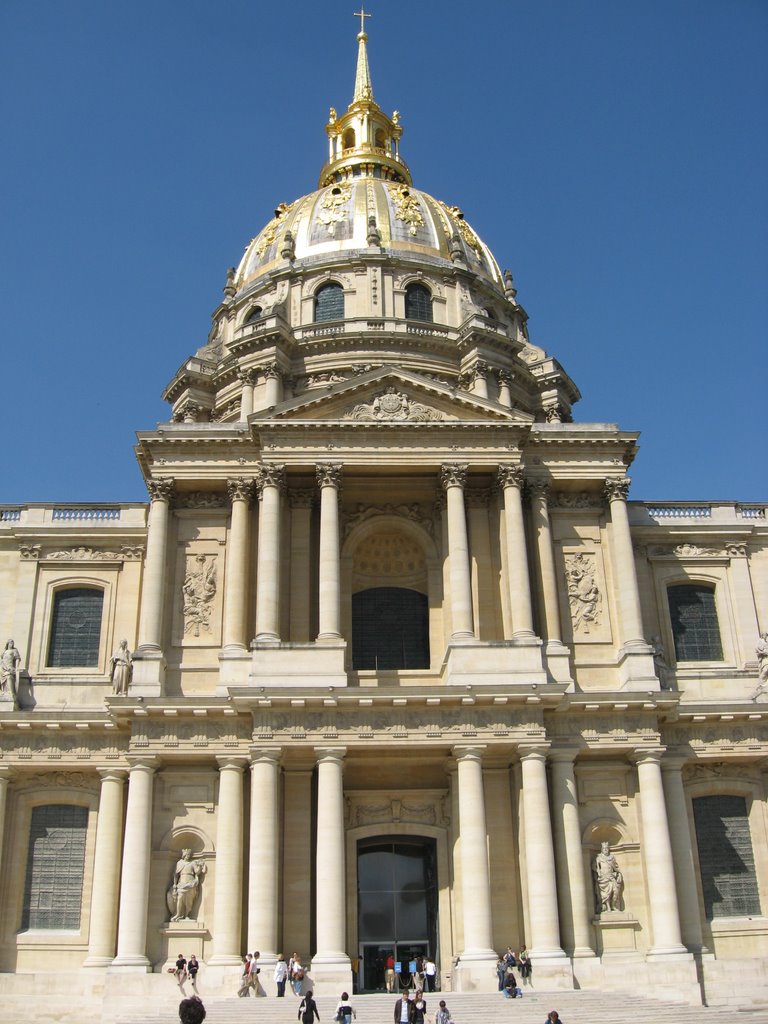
393	406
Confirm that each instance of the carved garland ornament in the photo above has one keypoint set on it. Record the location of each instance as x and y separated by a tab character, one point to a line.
269	234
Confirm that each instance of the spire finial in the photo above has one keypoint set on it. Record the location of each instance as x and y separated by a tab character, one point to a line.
362	16
363	87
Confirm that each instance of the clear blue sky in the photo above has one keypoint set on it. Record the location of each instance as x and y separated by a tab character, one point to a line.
614	155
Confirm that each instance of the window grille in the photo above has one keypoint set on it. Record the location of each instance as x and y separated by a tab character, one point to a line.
76	629
694	623
726	860
418	303
53	890
390	629
329	303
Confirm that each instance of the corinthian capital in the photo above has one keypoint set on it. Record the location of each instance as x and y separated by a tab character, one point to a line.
241	488
453	474
161	488
272	475
511	476
272	370
616	488
538	488
328	474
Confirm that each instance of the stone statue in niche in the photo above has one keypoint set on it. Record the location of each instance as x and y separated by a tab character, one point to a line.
199	590
609	881
121	671
10	668
185	886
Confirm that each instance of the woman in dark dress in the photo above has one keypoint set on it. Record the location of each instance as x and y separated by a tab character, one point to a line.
419	1008
308	1009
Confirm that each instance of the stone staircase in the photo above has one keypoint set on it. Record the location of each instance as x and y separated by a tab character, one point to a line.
575	1007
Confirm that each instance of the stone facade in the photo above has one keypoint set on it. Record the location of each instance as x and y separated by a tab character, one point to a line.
547	703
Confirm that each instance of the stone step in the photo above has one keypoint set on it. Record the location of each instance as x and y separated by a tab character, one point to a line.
575	1007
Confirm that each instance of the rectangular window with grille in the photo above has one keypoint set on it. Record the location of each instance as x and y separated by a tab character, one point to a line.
694	623
53	890
76	628
726	860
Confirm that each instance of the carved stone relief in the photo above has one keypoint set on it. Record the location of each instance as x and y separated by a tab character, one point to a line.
584	597
413	512
393	406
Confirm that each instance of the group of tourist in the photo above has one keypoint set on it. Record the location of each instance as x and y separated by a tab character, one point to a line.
185	969
249	979
411	1008
505	972
423	976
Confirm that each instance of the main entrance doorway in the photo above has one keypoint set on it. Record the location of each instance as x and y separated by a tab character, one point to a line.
396	908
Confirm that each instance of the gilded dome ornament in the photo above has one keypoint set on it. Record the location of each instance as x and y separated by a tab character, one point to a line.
407	207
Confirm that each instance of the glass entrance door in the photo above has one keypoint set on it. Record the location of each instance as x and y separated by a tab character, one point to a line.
396	908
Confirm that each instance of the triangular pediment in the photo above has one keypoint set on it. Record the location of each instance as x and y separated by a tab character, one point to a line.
384	395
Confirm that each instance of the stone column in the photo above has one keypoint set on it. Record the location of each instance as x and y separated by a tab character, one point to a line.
241	492
248	380
505	395
475	875
106	877
682	851
271	486
519	582
329	612
330	926
480	379
5	779
453	478
228	894
624	572
483	577
263	869
658	857
301	500
544	940
153	585
274	395
539	490
134	883
572	895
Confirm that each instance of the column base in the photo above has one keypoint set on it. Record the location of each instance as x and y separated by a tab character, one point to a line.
475	971
234	665
636	669
149	667
288	664
505	662
329	975
225	960
98	961
130	965
557	658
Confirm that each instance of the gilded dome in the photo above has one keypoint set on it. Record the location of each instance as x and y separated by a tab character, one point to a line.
365	212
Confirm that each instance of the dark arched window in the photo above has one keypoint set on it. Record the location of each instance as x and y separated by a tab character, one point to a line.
76	628
726	858
390	629
254	314
418	303
53	890
348	139
695	627
329	303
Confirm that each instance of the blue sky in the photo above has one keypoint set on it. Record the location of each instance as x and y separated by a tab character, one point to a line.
613	155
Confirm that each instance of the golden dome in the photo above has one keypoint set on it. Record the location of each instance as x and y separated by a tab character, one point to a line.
364	213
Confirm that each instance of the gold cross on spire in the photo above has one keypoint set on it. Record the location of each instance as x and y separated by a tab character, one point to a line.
362	16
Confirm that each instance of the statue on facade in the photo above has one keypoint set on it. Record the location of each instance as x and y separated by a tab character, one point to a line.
10	667
660	665
609	881
185	886
762	667
121	671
